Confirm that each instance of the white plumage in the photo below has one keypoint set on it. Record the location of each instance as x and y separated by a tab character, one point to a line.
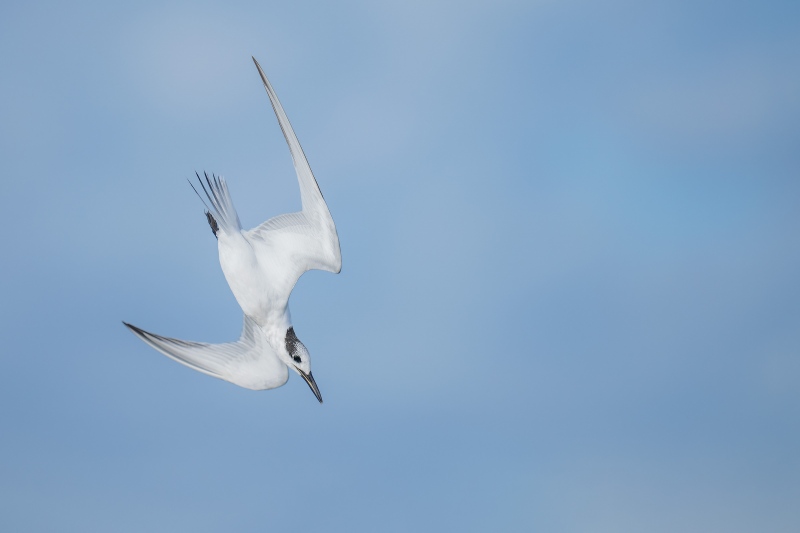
262	266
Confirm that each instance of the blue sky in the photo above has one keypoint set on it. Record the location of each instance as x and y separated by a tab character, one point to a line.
569	297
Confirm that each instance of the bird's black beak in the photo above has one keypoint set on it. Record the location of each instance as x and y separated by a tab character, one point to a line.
311	383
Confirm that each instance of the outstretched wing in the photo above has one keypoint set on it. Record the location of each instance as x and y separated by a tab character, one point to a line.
248	362
300	241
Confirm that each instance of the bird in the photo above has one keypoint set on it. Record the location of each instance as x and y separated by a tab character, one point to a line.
261	266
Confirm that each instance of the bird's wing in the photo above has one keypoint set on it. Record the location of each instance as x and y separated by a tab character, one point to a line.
224	361
305	240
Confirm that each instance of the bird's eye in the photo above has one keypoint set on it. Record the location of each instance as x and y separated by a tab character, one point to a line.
297	359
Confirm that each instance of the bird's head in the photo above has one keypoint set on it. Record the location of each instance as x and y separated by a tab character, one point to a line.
295	355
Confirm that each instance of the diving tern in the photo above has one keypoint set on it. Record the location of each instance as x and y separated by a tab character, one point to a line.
262	266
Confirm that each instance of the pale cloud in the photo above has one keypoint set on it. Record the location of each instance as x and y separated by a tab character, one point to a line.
184	61
780	362
740	96
612	493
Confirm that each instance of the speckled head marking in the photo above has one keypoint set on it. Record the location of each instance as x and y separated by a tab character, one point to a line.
301	361
292	346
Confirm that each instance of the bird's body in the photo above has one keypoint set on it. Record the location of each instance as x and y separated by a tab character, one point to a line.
262	266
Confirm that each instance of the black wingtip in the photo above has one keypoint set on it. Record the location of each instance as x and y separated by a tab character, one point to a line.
212	222
195	189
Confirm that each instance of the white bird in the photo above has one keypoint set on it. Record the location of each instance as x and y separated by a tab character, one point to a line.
262	266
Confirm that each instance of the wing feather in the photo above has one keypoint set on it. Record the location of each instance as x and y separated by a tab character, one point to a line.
314	243
248	362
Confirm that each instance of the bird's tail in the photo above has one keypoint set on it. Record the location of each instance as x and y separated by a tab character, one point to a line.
224	216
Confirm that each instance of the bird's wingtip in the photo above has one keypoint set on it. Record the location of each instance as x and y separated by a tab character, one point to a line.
132	327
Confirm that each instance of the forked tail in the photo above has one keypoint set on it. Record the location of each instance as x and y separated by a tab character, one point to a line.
224	216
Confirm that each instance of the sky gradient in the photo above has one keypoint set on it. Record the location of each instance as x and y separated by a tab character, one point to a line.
569	299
